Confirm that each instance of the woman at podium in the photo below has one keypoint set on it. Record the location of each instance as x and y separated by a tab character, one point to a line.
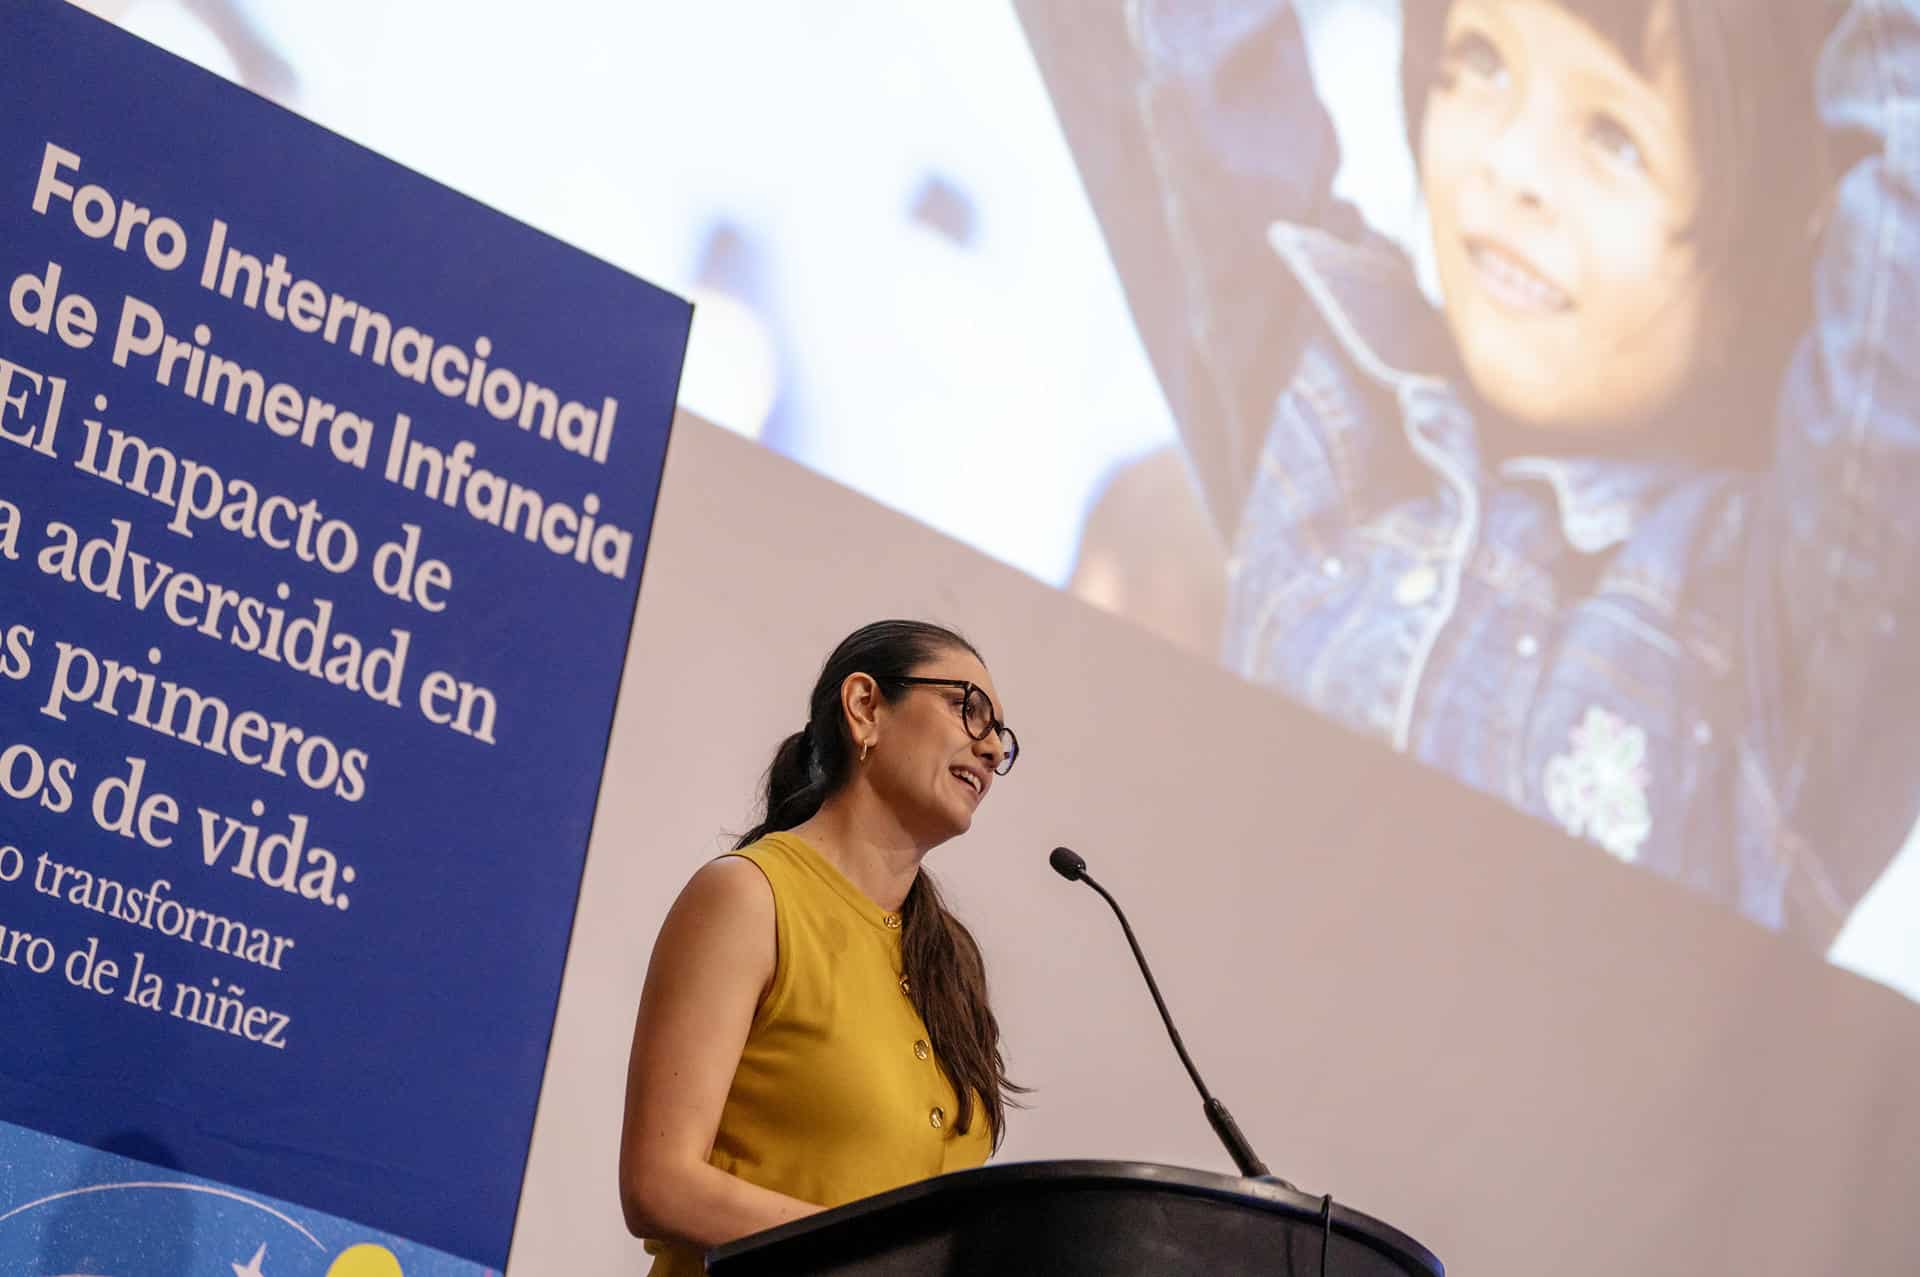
815	1026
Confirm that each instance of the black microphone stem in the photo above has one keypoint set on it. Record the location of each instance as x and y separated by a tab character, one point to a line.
1222	1121
1153	987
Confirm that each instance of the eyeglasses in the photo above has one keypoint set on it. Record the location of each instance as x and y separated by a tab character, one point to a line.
976	713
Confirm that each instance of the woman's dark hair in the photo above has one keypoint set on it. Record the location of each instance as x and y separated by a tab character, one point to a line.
1765	164
946	977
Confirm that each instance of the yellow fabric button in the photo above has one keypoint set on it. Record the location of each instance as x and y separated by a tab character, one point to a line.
920	1050
892	920
937	1118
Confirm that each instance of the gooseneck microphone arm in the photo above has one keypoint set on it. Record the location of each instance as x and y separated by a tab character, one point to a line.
1073	868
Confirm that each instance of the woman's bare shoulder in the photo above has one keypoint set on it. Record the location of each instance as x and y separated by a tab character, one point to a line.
728	892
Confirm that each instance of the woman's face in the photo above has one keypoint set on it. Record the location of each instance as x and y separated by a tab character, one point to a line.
1559	183
931	772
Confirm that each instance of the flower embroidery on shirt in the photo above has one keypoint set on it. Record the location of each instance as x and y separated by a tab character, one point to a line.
1598	789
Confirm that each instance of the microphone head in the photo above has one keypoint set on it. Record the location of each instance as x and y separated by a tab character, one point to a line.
1067	864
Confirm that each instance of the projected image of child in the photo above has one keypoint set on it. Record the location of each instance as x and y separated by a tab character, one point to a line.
1622	529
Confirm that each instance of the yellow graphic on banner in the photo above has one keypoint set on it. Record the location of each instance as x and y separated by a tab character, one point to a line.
366	1260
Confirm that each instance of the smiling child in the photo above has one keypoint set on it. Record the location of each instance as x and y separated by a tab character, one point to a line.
1618	531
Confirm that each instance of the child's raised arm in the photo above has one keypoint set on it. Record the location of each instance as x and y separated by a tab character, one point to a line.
1833	581
1194	124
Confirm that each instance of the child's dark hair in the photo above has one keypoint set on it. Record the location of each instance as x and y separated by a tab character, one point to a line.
1764	160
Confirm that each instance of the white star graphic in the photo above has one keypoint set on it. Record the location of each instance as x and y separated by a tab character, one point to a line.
252	1268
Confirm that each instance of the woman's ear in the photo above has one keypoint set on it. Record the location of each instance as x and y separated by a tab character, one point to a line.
860	703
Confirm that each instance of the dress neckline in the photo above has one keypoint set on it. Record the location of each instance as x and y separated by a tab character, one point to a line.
860	902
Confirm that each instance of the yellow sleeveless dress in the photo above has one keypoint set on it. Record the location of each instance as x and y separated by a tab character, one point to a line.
838	1095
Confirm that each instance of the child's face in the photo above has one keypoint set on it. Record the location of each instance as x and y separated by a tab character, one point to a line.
1558	182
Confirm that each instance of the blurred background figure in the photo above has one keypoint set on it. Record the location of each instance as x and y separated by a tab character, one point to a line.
734	373
1149	553
228	25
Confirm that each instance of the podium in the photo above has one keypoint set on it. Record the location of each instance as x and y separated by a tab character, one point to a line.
1080	1219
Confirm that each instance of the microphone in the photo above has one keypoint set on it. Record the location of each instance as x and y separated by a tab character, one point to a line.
1071	866
1068	864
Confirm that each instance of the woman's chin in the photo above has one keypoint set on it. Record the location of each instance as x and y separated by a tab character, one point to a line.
960	815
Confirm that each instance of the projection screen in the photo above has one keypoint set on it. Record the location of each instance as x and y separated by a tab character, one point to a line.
1524	385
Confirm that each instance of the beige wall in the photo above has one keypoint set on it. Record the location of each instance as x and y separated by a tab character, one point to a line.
1527	1056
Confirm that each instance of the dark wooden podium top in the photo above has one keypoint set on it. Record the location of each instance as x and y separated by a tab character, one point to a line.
1071	1218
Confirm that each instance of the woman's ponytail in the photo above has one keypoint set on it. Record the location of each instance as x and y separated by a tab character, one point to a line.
947	980
794	789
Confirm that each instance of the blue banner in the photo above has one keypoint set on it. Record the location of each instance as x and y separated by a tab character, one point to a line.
324	494
65	1208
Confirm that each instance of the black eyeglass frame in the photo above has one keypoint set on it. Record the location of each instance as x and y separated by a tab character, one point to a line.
1010	743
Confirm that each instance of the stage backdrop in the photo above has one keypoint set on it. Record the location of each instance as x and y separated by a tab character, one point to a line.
1533	1059
1531	1055
324	495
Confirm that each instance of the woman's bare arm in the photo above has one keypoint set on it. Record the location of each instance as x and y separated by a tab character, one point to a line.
711	964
